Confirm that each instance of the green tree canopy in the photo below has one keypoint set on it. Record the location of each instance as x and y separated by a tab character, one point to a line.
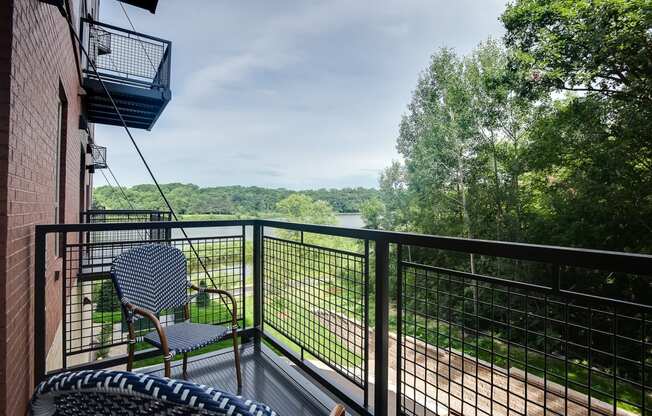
233	200
583	45
302	208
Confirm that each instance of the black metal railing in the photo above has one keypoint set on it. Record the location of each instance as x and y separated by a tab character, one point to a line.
126	216
98	157
125	57
444	325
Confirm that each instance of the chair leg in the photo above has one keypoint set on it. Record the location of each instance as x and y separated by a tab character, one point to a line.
131	347
130	360
236	353
185	365
166	363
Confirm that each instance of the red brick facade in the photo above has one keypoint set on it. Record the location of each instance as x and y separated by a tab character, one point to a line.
37	70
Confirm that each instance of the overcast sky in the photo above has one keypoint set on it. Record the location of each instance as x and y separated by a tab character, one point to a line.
297	94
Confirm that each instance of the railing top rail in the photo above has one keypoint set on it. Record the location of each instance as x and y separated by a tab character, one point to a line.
563	256
123	30
567	256
120	226
124	211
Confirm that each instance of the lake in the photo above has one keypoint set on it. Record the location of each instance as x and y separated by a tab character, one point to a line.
353	220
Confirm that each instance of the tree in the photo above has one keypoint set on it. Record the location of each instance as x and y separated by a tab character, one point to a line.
591	162
302	208
203	299
230	200
394	196
598	46
106	299
373	214
438	141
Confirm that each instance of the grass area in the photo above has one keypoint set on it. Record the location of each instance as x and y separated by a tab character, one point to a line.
200	314
321	340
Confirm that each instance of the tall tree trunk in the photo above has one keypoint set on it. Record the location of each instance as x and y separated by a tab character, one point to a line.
466	223
499	208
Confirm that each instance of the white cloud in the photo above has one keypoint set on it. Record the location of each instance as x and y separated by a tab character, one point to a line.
297	94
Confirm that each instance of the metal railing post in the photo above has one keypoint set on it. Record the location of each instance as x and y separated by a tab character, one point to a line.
381	354
39	308
258	280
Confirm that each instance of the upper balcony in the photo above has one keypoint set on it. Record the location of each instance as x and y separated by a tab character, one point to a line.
134	68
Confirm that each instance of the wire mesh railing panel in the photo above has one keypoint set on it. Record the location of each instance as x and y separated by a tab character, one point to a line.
124	216
127	56
476	345
93	319
316	298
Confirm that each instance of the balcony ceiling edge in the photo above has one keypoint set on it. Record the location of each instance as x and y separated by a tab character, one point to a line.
143	4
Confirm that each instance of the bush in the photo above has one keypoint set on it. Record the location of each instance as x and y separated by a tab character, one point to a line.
104	340
106	298
203	299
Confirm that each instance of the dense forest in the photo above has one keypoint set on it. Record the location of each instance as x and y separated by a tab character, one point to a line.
230	200
544	136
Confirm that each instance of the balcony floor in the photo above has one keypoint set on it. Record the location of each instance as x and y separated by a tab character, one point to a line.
266	378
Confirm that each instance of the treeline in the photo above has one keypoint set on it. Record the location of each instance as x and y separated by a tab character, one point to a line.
544	137
229	200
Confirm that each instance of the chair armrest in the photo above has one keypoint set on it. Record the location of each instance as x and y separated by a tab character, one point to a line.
234	305
338	410
157	324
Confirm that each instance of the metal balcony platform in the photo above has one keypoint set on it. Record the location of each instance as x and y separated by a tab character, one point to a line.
133	68
140	108
266	378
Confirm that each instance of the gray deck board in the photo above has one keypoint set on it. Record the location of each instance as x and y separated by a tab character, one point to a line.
265	378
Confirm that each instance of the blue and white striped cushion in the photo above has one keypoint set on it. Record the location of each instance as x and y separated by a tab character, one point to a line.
151	276
126	393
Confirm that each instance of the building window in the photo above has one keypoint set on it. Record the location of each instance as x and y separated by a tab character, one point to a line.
59	166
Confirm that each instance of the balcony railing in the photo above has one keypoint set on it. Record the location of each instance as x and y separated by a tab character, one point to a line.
98	157
126	57
133	67
390	322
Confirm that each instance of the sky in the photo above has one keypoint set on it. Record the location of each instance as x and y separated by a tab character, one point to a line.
295	94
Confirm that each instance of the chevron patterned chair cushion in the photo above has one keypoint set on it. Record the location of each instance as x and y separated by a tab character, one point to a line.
187	336
101	392
151	276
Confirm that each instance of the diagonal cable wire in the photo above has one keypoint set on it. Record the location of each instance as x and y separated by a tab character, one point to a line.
120	187
142	157
134	29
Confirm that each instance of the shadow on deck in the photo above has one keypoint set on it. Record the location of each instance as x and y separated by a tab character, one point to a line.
266	378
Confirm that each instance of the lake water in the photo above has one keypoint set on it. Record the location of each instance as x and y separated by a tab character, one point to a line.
343	220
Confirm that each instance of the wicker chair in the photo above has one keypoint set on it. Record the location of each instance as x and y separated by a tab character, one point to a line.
125	393
152	278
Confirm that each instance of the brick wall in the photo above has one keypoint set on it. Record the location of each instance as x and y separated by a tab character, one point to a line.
41	66
5	70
